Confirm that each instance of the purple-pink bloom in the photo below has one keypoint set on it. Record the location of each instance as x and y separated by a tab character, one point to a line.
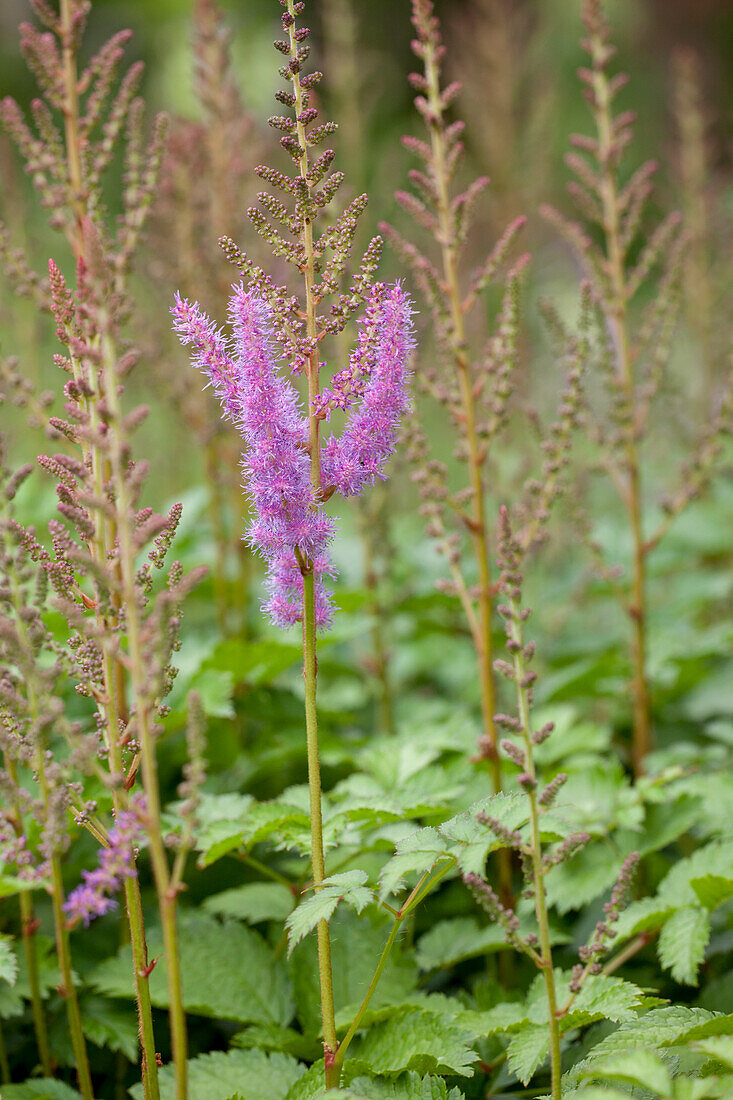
359	456
289	522
94	897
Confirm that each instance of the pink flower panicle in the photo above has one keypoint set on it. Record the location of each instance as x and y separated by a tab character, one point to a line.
289	522
359	456
116	863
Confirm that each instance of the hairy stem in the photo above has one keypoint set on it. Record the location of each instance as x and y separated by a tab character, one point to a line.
459	348
545	962
104	538
28	924
63	949
325	974
28	928
618	325
318	861
144	725
68	989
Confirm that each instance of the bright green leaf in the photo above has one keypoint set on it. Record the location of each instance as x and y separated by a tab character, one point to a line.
639	1067
528	1050
253	902
229	972
682	943
220	1076
452	941
414	1039
347	887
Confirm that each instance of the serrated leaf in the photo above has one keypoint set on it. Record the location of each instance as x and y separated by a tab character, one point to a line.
682	943
528	1050
605	997
408	1086
110	1024
253	902
712	890
220	1076
639	1067
8	960
471	840
355	948
229	972
584	877
646	915
719	1047
40	1089
347	887
416	1040
659	1028
415	854
452	941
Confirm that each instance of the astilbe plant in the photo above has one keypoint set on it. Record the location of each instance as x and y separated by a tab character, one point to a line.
34	834
290	472
122	627
530	843
475	381
632	352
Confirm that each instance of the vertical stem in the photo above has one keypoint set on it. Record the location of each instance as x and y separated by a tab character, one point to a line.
479	531
144	725
618	324
28	925
314	785
63	951
68	989
325	974
538	878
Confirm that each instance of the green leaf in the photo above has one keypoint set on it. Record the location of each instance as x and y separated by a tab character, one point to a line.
604	997
719	1047
528	1050
682	943
215	688
220	1076
408	1086
584	877
659	1028
640	1067
473	841
415	1039
355	947
712	890
110	1024
40	1089
229	972
8	960
347	887
452	941
415	854
253	902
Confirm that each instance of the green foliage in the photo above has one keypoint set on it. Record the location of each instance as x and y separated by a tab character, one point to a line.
229	972
347	887
220	1076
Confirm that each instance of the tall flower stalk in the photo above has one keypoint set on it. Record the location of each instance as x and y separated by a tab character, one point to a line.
122	632
537	859
289	472
633	353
